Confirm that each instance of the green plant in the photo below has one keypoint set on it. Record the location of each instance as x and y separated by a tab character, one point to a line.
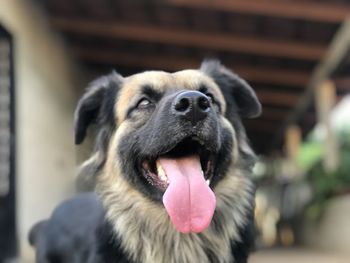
328	184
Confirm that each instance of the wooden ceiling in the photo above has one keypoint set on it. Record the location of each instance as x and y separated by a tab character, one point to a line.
274	44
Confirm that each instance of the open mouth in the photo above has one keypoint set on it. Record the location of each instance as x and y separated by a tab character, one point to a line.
184	174
156	174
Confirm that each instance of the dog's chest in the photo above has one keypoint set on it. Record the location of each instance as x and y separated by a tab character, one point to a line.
174	247
154	240
146	234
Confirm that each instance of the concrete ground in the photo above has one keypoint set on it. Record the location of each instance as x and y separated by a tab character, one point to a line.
298	256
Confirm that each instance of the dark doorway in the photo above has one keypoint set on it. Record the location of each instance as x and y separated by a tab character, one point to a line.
7	149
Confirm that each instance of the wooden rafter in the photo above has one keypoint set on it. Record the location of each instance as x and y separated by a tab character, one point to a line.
307	10
273	114
277	98
182	37
259	125
338	48
342	83
173	63
274	75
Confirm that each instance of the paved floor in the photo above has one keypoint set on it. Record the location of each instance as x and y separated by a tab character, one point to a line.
298	256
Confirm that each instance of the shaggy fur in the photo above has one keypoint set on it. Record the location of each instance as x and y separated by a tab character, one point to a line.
70	234
137	227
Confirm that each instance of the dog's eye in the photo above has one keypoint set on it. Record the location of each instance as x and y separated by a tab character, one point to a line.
143	103
213	100
210	96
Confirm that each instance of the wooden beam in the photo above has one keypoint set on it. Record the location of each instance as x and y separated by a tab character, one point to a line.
337	50
261	126
277	98
149	61
342	84
325	99
174	63
307	10
293	138
339	47
275	76
182	37
273	114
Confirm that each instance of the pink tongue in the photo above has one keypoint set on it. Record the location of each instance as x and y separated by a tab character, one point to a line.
188	199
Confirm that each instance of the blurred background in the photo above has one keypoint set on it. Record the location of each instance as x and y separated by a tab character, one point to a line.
295	53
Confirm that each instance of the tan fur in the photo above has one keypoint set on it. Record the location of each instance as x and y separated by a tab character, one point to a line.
226	123
192	79
146	229
132	85
162	81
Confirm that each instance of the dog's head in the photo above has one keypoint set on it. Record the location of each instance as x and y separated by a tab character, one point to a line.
172	136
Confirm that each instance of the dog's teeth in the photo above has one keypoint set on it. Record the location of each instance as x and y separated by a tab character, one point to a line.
163	178
161	172
160	169
208	182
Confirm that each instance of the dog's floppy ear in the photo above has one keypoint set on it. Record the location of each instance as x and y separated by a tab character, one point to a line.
35	231
97	96
232	85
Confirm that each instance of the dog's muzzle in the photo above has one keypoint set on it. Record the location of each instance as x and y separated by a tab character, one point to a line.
193	106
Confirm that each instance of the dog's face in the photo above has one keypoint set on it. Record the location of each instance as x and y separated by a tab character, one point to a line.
172	135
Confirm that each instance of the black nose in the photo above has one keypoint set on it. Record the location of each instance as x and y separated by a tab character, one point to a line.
192	105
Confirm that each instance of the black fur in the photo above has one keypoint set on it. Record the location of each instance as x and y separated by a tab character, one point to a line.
36	231
240	99
142	143
241	249
110	247
111	251
156	132
70	234
239	95
97	106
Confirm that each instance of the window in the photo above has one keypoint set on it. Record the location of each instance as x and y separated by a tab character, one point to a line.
7	149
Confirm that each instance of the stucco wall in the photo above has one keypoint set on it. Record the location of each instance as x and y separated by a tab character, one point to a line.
47	84
332	232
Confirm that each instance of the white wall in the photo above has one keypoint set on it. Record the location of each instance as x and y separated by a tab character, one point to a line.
46	88
332	232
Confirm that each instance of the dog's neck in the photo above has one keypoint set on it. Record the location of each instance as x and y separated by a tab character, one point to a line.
149	236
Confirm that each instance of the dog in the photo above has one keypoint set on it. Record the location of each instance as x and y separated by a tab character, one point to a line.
70	234
172	164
